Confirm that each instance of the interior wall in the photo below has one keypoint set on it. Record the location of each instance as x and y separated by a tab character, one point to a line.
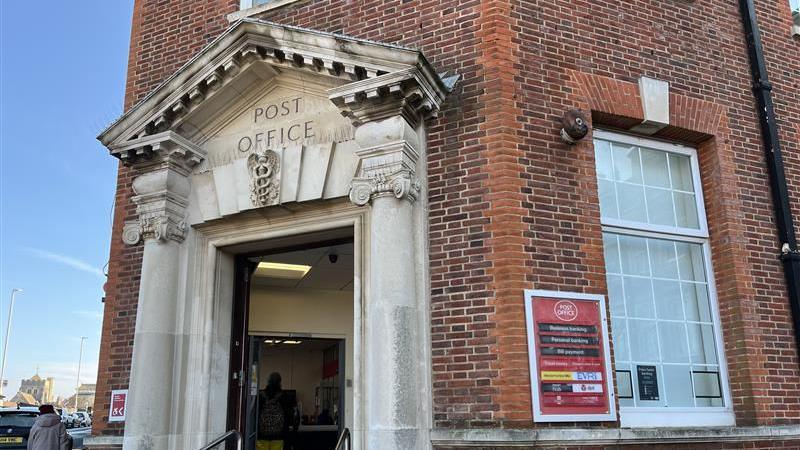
316	312
300	369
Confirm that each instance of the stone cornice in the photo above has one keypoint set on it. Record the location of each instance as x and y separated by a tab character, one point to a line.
412	93
166	146
254	42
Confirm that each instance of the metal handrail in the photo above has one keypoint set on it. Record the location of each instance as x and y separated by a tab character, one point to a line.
224	438
344	437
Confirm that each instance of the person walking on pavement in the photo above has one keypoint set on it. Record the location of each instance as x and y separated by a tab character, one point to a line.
48	433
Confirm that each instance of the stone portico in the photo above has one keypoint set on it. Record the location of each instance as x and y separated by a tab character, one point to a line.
274	131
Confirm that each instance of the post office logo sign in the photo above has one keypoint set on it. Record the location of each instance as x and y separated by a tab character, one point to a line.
566	311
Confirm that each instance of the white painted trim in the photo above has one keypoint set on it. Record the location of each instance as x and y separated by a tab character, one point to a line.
246	8
534	371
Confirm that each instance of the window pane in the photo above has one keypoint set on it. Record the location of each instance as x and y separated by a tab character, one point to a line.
654	164
695	302
672	336
686	210
611	253
678	385
631	202
659	207
690	261
633	251
602	156
616	295
626	164
638	297
664	261
680	169
619	333
668	299
702	344
608	199
643	340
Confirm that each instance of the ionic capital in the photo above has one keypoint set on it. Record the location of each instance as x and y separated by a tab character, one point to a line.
162	196
401	185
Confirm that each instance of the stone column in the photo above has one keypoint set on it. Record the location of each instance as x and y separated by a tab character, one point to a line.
388	112
162	193
391	352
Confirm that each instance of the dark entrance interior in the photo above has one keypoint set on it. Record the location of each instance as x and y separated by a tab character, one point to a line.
293	315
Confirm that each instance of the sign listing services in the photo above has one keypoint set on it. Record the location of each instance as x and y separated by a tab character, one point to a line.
569	357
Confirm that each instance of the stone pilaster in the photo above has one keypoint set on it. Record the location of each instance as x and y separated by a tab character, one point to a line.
162	195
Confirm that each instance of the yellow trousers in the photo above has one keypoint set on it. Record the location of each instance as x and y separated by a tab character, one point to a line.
269	445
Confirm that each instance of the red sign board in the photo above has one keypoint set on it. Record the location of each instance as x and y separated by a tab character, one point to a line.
569	357
119	400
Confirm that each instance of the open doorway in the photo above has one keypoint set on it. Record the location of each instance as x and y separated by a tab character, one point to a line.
300	318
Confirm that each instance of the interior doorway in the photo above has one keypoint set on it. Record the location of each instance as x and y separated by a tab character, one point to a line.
295	314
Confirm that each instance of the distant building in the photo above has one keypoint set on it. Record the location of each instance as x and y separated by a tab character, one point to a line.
85	398
23	399
39	388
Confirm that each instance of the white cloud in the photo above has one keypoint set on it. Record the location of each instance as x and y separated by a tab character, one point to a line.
66	260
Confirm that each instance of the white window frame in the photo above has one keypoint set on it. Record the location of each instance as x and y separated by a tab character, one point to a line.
248	8
640	417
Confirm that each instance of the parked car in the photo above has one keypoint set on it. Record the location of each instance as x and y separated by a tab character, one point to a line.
84	419
15	426
66	418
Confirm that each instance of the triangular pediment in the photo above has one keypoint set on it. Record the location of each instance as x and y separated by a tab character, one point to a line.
241	65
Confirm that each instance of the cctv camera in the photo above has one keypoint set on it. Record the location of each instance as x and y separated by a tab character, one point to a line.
333	257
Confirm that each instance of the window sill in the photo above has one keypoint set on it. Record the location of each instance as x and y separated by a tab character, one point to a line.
572	437
675	417
255	10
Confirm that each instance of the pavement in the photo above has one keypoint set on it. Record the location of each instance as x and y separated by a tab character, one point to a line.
78	434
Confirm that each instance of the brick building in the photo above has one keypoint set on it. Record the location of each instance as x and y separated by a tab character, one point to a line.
376	200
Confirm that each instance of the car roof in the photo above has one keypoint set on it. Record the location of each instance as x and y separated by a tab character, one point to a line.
21	409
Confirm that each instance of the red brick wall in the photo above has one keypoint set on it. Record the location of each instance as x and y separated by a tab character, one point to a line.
511	207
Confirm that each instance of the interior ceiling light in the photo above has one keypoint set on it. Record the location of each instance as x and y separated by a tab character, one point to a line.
281	270
289	342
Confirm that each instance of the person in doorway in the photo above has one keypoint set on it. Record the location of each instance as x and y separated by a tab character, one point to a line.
275	415
48	433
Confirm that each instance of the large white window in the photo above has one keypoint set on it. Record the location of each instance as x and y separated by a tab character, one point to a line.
664	320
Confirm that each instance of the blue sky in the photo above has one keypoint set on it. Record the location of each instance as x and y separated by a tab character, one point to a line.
62	77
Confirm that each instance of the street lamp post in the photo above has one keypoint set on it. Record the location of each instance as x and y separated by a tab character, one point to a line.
8	335
78	382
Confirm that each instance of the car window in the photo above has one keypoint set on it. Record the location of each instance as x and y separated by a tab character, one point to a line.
17	419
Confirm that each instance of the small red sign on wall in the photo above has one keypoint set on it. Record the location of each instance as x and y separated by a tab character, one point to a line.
569	357
119	400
